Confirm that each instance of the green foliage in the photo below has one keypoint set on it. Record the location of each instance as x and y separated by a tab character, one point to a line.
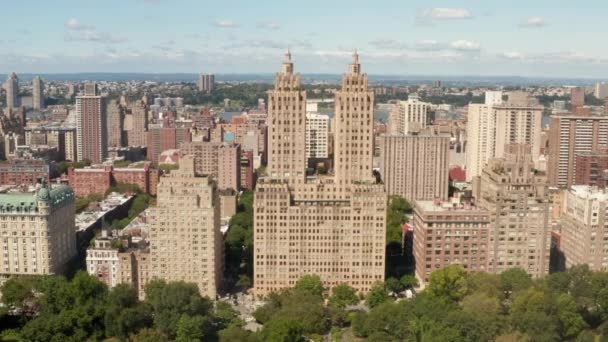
456	100
310	284
343	295
246	94
377	295
121	163
448	282
63	166
238	245
124	188
193	328
167	168
396	217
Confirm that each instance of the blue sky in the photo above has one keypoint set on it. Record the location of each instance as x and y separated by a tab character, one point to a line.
553	38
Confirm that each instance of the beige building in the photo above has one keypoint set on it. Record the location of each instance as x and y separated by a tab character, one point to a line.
481	134
333	226
11	86
494	125
37	93
415	166
317	135
518	121
517	196
185	239
287	125
115	121
136	135
410	115
206	83
218	160
116	261
570	135
447	233
37	232
584	235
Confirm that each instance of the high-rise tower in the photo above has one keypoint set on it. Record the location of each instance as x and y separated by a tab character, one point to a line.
12	91
37	93
332	226
91	130
287	125
354	127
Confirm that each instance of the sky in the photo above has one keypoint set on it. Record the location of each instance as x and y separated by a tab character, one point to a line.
535	38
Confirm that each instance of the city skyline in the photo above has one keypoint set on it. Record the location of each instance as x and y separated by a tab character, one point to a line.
441	38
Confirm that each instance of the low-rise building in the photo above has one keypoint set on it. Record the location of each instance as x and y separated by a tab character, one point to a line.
447	233
98	180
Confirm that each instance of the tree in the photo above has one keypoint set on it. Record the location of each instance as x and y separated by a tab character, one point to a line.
377	295
448	282
409	281
18	293
234	333
571	321
193	328
396	216
148	335
514	280
343	295
225	315
282	329
394	285
311	284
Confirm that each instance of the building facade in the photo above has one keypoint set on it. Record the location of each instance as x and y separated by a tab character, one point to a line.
592	168
11	86
160	139
136	135
218	160
570	135
37	93
411	115
91	130
317	135
481	134
37	232
447	233
115	122
415	166
98	180
517	197
24	171
585	227
206	83
332	226
185	239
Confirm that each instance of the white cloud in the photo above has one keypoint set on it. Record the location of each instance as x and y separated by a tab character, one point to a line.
535	22
333	53
444	13
75	25
465	45
94	36
269	26
225	24
387	44
512	55
427	44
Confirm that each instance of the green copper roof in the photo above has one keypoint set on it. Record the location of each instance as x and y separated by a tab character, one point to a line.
57	196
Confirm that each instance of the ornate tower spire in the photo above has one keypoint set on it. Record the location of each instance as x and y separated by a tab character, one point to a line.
355	67
287	63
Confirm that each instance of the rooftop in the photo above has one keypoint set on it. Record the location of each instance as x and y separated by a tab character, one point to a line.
589	192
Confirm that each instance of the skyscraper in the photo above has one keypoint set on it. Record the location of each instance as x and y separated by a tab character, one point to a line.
91	130
332	226
493	125
577	96
517	198
287	124
415	166
570	135
136	135
354	131
601	90
115	121
410	115
12	91
206	83
37	93
186	243
317	135
481	133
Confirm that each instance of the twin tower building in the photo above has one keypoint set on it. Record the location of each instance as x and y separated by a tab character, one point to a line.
333	226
